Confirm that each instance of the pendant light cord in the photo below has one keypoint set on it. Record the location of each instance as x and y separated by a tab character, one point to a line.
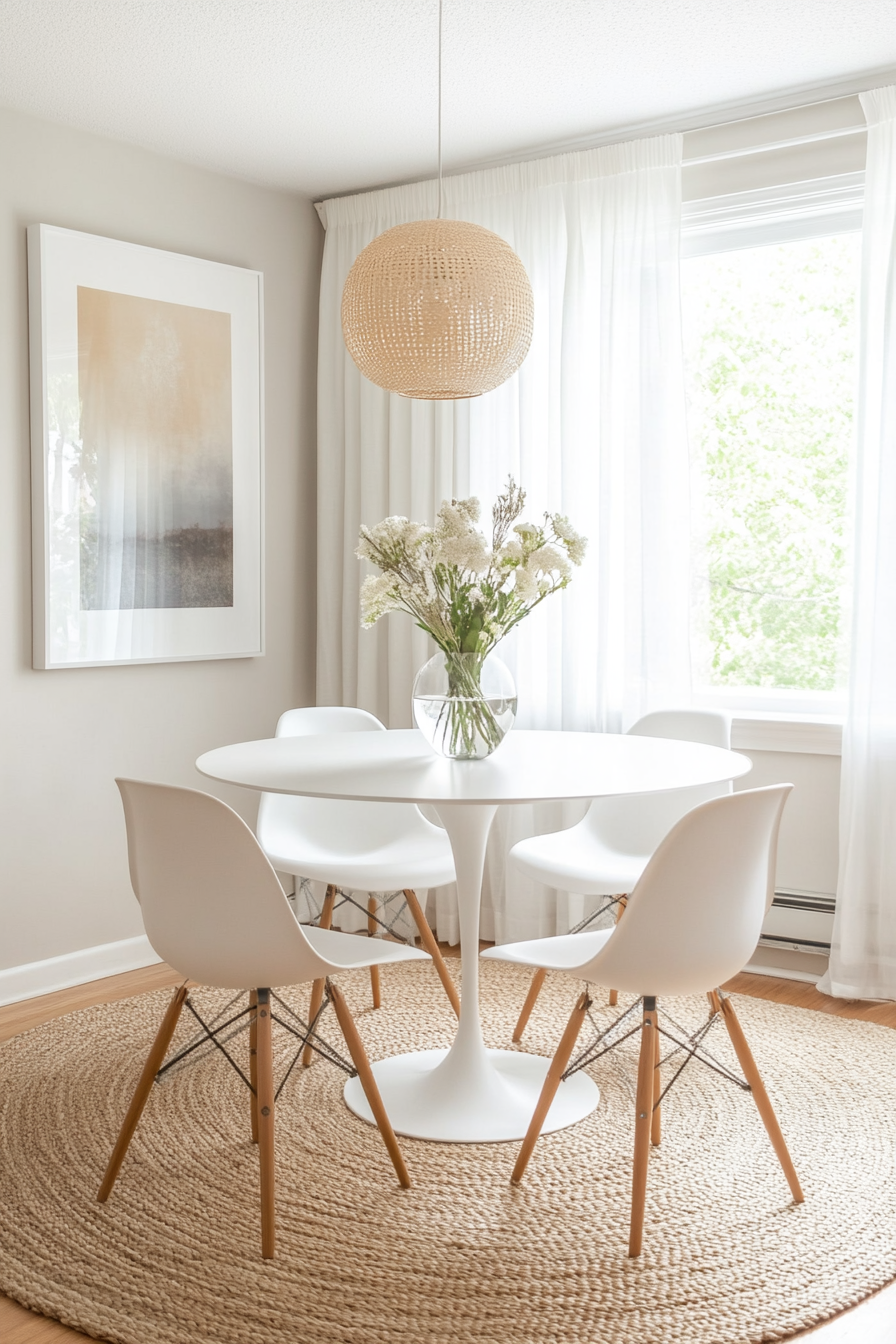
439	216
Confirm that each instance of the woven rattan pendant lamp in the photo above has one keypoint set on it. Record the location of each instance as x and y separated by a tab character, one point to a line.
439	309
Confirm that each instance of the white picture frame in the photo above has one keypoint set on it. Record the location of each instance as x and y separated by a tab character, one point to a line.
147	453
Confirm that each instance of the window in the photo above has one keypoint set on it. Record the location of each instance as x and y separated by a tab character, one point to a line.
769	288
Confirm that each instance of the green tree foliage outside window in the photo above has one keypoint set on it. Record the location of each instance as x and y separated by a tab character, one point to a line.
770	348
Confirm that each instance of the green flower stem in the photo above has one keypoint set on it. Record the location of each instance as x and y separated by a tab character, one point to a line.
466	713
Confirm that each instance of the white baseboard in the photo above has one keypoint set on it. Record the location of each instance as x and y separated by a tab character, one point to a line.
75	968
785	973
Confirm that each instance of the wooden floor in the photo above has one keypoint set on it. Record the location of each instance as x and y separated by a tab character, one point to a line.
873	1322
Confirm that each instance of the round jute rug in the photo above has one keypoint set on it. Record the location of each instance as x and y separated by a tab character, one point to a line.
462	1257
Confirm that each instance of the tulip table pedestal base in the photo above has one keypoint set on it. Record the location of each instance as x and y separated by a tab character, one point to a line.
469	1094
429	1096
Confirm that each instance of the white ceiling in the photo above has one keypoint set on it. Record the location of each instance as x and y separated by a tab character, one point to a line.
327	96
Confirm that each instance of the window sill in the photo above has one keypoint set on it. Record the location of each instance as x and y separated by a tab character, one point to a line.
814	734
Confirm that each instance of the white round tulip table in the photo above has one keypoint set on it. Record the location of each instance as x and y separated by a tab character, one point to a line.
469	1094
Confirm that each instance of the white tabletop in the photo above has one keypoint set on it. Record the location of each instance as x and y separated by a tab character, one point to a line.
399	766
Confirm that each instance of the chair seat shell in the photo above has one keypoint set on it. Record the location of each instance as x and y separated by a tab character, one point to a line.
564	953
694	917
578	860
345	951
361	846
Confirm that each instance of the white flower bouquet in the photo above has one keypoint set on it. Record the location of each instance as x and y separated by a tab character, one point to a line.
467	593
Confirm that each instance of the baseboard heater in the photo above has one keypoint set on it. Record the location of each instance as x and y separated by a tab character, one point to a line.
799	921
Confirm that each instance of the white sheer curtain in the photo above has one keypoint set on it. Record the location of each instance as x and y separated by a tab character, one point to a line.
863	952
593	426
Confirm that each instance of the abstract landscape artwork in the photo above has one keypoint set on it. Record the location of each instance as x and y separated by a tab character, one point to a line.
154	384
146	450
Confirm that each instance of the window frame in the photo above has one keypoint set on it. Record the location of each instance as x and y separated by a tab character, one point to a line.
758	217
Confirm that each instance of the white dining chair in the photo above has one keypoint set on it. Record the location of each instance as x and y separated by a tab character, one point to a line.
693	920
356	846
607	851
214	910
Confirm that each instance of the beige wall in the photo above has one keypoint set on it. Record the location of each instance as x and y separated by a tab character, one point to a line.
64	735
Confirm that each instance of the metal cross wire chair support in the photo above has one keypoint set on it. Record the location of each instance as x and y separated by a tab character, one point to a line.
388	850
214	909
607	851
385	911
216	1034
693	919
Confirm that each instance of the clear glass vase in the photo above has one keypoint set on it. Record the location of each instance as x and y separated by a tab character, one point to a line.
464	704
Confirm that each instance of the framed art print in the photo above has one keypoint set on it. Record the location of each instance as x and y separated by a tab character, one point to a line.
146	450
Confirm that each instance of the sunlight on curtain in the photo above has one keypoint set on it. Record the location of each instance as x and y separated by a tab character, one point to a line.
863	952
592	426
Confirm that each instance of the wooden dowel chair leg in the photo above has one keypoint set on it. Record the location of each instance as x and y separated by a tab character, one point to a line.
266	1122
368	1082
535	985
621	902
428	939
317	989
551	1083
374	970
153	1063
253	1061
656	1124
643	1110
761	1097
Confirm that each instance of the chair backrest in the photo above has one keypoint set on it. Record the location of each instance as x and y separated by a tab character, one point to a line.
283	820
636	825
686	725
212	905
312	719
694	917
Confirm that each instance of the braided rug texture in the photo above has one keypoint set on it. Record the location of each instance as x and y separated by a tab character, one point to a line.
462	1257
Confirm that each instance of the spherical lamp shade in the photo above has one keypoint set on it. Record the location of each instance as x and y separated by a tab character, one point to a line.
437	310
